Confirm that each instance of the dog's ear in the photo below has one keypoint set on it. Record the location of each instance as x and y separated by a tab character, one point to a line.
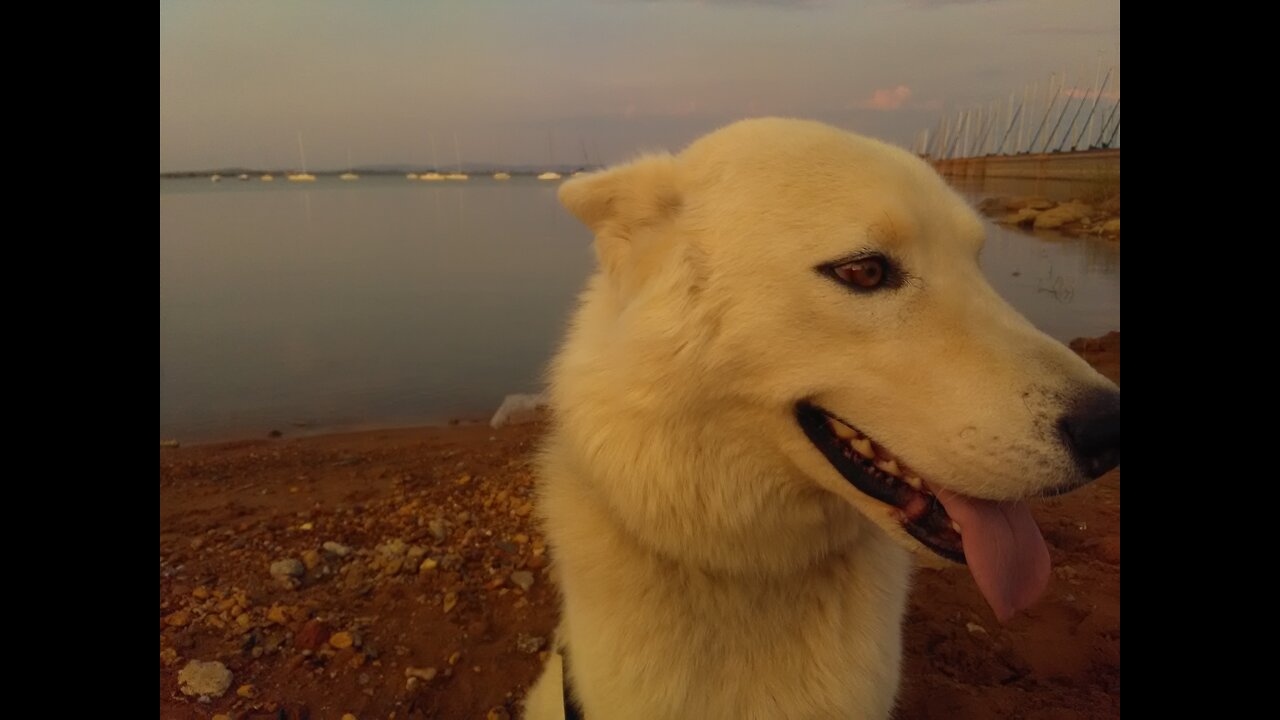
620	203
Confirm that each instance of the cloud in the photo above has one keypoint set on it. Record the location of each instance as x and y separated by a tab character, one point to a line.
887	98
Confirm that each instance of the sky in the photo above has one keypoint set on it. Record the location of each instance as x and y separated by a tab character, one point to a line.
530	82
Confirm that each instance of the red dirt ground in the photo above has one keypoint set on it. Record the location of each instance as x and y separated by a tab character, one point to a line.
341	642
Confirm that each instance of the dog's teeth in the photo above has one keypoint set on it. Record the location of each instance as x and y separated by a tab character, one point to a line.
890	466
863	446
955	526
914	482
842	431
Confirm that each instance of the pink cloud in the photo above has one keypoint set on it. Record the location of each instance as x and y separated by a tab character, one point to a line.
888	98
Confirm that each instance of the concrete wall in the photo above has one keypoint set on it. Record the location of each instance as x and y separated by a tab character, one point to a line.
1087	166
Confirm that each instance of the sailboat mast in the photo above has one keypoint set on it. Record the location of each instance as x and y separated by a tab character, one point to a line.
302	153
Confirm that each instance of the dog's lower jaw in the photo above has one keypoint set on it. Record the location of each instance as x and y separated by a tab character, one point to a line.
651	637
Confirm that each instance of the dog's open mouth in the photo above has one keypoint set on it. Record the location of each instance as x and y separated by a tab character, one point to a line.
999	541
877	473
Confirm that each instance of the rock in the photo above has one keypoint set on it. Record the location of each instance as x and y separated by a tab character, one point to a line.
1025	216
517	410
286	572
204	679
394	548
529	644
524	509
437	529
1061	215
341	640
337	549
427	565
498	713
995	205
423	674
450	601
246	691
313	636
413	558
277	615
522	579
311	559
178	619
348	716
1111	227
1036	203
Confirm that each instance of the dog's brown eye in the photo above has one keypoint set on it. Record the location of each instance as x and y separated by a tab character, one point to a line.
865	273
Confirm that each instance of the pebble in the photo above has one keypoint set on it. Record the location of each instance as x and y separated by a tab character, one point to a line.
437	529
522	579
335	548
287	571
450	600
341	640
428	564
204	679
425	674
415	554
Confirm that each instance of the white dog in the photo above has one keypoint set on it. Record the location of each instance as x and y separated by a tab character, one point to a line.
788	376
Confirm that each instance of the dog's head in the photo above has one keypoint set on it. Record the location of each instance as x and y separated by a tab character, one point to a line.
826	286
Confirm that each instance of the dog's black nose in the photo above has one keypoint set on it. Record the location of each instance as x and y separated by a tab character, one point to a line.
1092	430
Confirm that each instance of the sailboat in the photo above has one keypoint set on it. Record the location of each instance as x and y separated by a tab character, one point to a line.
267	178
303	176
432	176
551	152
349	174
243	177
215	178
502	176
459	175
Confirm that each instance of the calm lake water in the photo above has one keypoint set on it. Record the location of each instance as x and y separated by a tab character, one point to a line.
386	302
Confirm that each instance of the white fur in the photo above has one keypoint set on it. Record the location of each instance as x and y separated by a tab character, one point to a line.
712	563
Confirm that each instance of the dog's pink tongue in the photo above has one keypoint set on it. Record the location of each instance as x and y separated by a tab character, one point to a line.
1004	550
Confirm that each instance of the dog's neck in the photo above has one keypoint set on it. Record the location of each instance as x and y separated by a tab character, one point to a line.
721	588
712	498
